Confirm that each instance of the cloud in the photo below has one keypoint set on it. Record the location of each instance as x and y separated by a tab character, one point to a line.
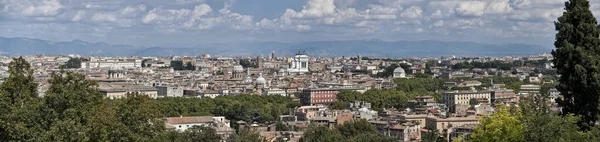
104	17
412	12
32	7
78	16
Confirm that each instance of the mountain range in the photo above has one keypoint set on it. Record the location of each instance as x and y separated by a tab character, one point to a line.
426	48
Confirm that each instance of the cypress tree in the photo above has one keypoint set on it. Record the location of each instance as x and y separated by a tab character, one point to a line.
577	60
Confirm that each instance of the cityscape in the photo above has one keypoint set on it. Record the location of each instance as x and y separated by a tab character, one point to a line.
81	84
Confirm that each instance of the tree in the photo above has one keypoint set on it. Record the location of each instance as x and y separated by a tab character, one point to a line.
576	60
245	135
189	66
16	94
200	134
141	116
503	125
433	136
177	65
74	63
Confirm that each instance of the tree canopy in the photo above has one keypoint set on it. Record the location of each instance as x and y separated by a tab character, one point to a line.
576	60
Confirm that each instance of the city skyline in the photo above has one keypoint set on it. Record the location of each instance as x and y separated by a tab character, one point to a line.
189	23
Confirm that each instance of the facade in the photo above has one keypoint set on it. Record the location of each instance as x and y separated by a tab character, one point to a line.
164	91
117	90
529	89
318	96
452	99
108	63
299	64
399	73
504	96
219	123
440	123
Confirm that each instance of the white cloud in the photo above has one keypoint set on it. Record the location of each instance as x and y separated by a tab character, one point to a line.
412	12
302	28
104	17
470	8
438	23
32	7
78	16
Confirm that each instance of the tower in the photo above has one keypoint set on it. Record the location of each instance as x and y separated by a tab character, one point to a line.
259	62
359	59
273	55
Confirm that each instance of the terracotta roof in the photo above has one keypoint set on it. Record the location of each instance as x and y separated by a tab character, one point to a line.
185	120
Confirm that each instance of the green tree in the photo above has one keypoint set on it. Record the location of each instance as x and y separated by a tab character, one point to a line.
141	116
576	60
200	134
177	65
16	94
432	136
503	125
245	135
74	63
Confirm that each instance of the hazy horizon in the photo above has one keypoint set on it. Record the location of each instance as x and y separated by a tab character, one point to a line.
187	23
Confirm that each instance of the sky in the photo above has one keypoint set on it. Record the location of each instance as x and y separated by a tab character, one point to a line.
189	23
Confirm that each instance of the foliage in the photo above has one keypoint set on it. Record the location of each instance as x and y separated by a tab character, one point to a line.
249	108
419	84
379	99
501	126
178	65
432	136
247	64
18	90
353	131
576	60
74	63
246	135
388	71
144	63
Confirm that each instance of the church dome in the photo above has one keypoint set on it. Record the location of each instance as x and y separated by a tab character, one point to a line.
261	80
399	70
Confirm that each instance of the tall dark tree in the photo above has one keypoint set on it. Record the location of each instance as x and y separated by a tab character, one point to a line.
16	94
576	59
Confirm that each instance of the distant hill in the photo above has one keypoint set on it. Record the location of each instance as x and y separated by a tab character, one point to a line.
426	48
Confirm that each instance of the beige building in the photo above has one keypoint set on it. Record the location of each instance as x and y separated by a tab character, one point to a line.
440	123
451	99
120	90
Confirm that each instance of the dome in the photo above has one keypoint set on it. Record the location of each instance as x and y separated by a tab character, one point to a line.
260	80
399	70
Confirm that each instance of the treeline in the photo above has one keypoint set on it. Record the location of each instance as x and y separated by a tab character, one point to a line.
353	131
74	110
73	63
379	99
178	65
249	108
532	120
502	65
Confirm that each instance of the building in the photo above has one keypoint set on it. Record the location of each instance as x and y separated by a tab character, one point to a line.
529	89
399	73
120	90
299	64
318	96
504	96
164	91
452	99
108	63
219	123
441	124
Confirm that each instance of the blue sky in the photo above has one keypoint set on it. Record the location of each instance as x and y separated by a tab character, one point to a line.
189	23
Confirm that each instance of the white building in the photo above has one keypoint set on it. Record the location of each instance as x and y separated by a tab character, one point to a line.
452	99
299	64
399	73
164	91
183	123
114	63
